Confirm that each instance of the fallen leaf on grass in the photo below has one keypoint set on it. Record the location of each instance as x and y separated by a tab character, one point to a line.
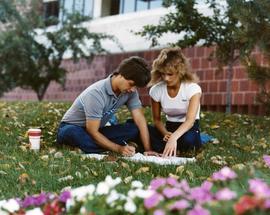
66	178
23	178
214	126
202	115
180	170
2	172
215	141
52	150
94	172
218	160
44	157
125	166
22	166
78	174
263	143
24	148
127	179
200	156
33	182
238	166
142	170
190	174
58	155
174	176
247	148
110	158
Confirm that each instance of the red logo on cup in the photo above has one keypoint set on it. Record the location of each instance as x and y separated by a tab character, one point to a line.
34	132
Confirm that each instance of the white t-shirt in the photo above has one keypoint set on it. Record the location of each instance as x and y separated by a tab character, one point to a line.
175	108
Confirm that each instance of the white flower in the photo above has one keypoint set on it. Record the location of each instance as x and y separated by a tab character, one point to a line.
80	193
136	184
112	197
143	193
102	188
83	210
1	204
112	182
131	194
130	206
69	204
35	211
11	205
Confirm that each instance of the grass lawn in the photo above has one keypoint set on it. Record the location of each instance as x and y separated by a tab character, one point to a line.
242	141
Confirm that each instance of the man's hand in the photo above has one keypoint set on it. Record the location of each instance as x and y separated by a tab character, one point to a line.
152	153
127	150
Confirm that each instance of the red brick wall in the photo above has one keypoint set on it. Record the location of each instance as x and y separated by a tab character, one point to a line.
212	81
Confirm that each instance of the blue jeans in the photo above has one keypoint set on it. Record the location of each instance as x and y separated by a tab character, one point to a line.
77	136
189	140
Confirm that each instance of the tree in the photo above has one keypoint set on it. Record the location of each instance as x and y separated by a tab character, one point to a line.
221	29
255	18
32	63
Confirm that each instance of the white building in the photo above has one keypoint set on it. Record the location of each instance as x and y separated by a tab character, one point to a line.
115	17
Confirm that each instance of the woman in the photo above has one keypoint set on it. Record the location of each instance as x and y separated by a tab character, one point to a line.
175	92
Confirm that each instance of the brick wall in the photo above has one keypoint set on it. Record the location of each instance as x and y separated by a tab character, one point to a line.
212	81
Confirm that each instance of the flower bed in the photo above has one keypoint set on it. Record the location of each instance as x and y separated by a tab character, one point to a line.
219	194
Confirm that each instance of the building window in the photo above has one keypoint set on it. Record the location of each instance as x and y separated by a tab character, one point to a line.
127	6
84	7
50	12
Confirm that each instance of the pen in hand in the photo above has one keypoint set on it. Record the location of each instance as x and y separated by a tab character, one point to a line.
130	150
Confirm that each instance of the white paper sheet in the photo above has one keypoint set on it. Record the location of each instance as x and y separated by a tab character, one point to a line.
138	157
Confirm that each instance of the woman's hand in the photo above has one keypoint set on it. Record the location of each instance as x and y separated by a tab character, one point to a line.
171	147
167	136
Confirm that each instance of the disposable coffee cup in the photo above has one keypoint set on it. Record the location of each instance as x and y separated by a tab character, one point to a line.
34	135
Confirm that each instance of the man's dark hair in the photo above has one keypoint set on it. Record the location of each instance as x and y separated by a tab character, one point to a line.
136	69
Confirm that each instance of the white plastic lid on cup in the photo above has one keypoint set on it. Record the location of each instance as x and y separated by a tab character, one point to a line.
34	138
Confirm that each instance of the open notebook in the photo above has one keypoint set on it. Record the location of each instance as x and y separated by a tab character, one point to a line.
138	157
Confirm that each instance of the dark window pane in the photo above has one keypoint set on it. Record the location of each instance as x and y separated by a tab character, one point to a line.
84	7
115	7
51	12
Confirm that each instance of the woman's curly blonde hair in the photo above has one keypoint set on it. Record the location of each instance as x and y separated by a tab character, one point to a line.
172	60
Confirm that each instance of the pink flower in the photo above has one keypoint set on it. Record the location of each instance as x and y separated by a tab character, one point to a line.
202	194
171	192
153	200
172	181
180	205
159	212
267	204
267	160
225	194
259	188
224	174
157	183
198	210
184	186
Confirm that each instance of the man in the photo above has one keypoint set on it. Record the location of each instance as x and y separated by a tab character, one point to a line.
83	125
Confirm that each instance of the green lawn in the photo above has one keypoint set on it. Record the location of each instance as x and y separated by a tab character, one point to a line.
242	140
